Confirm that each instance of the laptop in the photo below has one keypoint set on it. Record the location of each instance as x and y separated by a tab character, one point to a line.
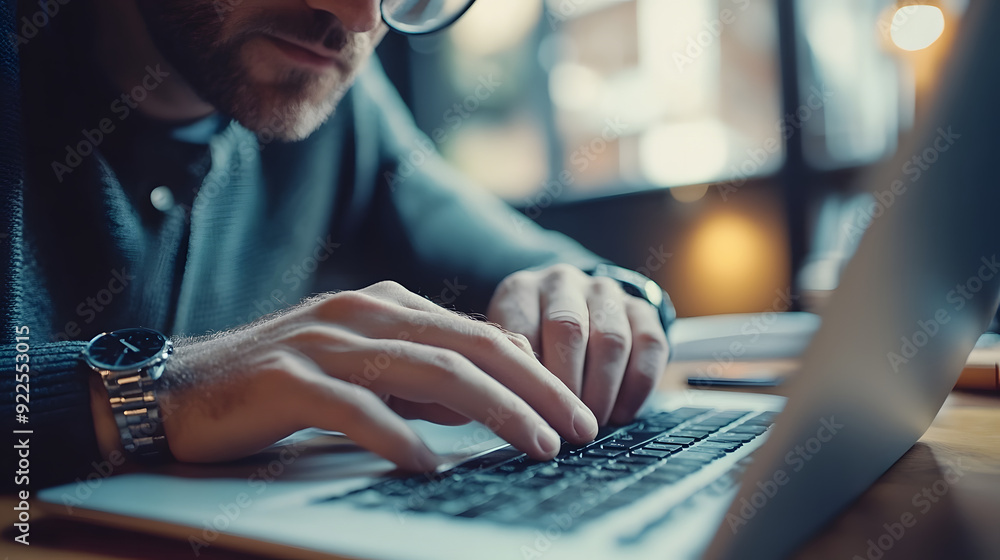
699	474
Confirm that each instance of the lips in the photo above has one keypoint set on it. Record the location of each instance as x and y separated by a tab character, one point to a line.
307	55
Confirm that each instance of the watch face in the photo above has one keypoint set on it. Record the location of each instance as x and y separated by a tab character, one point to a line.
125	349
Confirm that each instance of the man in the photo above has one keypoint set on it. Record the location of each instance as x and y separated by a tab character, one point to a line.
183	173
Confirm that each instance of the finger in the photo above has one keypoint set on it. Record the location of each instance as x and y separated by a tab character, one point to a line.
608	347
486	346
340	406
646	362
426	374
405	298
494	354
515	307
565	329
429	412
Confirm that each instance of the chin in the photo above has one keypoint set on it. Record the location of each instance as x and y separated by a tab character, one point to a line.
283	116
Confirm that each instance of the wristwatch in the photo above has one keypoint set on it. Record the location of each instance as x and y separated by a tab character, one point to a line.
130	361
639	286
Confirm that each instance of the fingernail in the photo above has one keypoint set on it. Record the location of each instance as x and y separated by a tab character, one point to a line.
547	440
584	423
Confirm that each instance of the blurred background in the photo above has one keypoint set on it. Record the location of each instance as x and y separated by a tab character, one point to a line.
717	146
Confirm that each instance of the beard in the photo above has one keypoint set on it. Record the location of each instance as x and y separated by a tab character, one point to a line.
218	53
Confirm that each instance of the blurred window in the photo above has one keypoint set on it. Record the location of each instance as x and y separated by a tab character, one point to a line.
599	96
593	97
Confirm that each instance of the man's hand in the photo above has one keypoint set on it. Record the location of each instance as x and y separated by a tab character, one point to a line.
607	346
359	362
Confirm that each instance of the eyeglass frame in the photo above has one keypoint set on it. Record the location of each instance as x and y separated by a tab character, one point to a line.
451	21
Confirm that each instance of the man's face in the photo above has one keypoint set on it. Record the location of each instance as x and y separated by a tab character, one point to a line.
279	67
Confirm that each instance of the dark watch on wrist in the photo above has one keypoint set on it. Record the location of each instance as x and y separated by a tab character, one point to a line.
130	361
639	286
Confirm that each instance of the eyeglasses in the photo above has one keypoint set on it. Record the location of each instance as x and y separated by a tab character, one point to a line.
420	17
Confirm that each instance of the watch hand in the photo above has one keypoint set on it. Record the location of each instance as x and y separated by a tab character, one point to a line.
119	360
133	348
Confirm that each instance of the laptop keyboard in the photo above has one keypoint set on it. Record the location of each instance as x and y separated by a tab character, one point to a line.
622	465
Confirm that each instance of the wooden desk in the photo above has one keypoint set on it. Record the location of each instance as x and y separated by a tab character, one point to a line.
958	458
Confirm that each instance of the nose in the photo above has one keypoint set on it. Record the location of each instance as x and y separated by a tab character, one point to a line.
359	16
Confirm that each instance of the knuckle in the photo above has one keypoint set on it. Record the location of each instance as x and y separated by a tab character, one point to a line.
516	284
568	326
520	341
612	343
563	269
651	341
387	287
488	337
446	365
605	285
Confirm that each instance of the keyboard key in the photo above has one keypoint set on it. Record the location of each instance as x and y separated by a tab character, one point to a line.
675	440
606	453
664	477
663	447
637	460
689	412
719	445
552	471
615	445
487	461
714	454
639	436
693	434
649	453
679	467
747	429
726	436
580	460
492	504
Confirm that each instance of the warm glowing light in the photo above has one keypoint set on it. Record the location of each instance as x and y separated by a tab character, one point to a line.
916	27
732	261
